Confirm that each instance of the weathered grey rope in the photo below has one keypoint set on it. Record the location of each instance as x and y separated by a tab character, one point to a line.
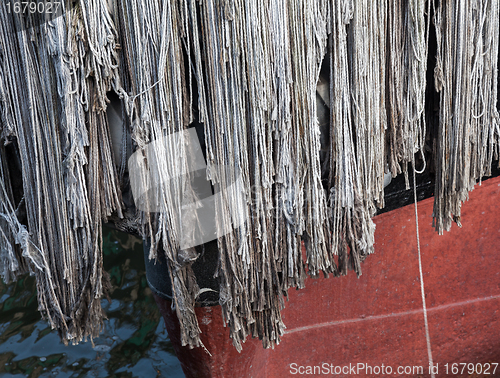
466	77
56	113
367	60
255	66
13	238
407	71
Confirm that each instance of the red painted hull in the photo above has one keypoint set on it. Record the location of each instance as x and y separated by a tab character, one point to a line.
377	319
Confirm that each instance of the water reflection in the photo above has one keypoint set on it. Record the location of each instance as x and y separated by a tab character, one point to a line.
133	344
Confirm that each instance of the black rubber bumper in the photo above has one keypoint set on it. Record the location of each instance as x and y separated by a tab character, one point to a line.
204	268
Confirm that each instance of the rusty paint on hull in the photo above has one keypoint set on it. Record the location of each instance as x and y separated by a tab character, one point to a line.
377	319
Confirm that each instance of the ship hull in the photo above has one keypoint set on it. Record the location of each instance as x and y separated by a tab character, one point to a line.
345	326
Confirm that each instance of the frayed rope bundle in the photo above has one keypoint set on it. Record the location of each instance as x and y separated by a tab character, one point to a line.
249	70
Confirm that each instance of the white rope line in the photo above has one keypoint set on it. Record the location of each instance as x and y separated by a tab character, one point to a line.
422	289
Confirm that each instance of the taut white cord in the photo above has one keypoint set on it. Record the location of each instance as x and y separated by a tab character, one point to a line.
422	289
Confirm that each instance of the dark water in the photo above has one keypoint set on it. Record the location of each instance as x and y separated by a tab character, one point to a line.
133	344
